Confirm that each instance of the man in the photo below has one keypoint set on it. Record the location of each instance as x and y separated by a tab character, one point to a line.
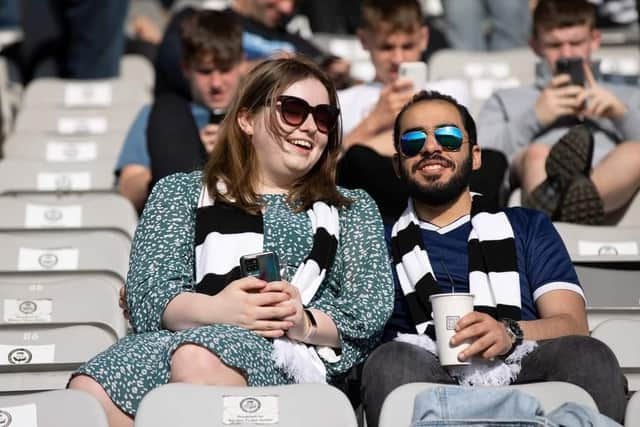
264	36
393	32
173	134
529	306
525	123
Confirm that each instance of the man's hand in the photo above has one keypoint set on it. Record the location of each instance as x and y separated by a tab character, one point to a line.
209	136
558	99
392	98
488	336
598	101
339	71
256	305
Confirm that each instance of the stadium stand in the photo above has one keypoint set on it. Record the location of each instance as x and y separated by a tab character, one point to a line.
623	338
607	260
63	93
69	408
69	149
62	140
309	405
65	250
484	71
106	211
20	175
137	68
632	416
398	406
52	322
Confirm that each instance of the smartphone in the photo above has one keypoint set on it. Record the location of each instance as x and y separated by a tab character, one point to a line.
573	67
414	71
263	265
216	116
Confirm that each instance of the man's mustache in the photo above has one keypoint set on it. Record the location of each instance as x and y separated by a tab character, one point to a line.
433	158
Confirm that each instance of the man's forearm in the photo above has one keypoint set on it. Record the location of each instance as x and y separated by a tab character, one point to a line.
553	327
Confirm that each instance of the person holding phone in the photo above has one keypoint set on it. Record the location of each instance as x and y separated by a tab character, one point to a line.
394	34
568	139
268	186
174	133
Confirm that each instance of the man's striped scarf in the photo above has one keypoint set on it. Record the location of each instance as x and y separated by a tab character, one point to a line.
493	277
224	233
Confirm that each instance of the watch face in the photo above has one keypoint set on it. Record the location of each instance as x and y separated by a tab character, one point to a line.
513	330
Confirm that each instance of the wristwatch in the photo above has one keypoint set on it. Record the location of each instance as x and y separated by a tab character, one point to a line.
515	333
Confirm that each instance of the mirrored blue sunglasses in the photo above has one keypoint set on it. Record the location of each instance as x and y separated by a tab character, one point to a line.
450	138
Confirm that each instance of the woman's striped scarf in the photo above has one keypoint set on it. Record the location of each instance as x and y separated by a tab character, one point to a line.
224	233
493	280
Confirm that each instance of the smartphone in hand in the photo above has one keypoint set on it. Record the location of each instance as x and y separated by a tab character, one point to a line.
264	265
414	71
216	116
573	67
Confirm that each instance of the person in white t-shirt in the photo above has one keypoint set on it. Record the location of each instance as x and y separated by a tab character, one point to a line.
393	31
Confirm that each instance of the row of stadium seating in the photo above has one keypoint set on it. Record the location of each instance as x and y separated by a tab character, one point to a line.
65	237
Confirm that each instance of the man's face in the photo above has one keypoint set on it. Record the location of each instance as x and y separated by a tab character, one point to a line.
576	41
435	176
270	12
389	49
212	86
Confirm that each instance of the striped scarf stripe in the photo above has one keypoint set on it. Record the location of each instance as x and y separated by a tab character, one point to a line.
493	272
224	233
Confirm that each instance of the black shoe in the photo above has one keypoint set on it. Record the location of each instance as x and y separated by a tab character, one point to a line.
581	204
570	157
546	197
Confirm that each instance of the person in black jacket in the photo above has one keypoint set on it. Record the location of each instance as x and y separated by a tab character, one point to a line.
176	133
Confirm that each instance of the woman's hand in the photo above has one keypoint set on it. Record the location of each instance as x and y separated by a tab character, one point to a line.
299	327
256	305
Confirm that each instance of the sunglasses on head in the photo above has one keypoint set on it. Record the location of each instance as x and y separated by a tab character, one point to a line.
448	137
294	112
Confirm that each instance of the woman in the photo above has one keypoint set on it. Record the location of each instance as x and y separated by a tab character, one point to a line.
268	185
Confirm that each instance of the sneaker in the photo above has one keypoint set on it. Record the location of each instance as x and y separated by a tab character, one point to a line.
581	204
546	197
571	156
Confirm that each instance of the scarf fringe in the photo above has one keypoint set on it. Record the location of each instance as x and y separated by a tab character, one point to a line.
301	361
482	372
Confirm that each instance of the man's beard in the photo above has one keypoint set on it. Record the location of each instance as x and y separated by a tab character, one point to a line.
439	194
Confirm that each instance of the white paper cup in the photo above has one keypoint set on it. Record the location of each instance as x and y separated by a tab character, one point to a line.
447	310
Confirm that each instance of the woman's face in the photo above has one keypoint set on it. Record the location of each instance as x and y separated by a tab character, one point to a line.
289	155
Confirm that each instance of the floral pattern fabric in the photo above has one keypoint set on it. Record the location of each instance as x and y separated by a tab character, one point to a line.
357	292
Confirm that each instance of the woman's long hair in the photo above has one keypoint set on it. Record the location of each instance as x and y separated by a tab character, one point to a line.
233	160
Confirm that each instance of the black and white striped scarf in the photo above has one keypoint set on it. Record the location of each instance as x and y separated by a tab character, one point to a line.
493	274
224	233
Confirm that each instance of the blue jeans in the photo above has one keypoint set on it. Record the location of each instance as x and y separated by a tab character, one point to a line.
466	22
583	361
93	37
489	407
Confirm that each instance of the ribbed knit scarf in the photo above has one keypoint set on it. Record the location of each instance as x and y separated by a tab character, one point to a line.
224	233
493	280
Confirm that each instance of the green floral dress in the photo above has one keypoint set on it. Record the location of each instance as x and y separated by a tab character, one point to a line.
357	293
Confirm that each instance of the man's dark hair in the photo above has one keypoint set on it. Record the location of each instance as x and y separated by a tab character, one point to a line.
211	33
399	15
552	14
432	95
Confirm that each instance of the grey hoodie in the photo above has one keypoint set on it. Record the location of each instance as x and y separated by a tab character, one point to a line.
507	121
